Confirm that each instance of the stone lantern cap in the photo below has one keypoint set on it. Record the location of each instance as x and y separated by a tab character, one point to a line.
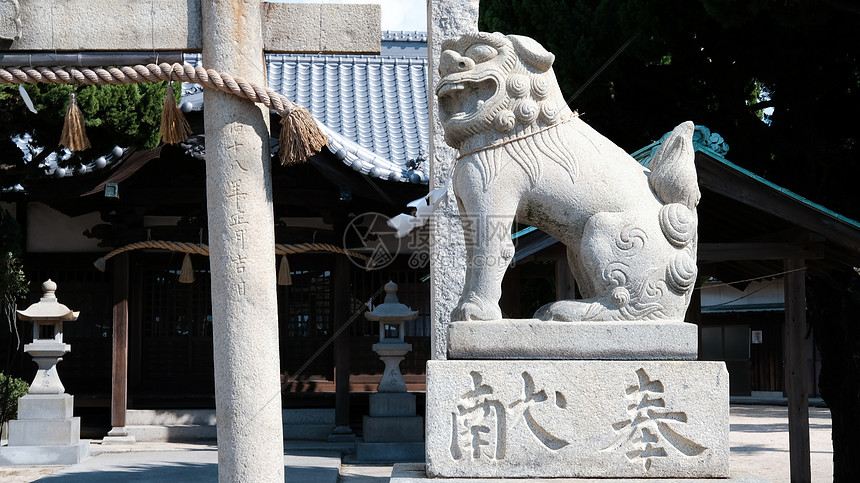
48	309
391	310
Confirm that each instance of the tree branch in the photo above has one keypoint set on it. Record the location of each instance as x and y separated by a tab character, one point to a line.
844	5
758	106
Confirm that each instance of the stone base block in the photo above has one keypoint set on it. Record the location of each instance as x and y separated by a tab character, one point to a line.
177	425
539	339
307	432
44	455
122	440
388	404
389	452
46	406
173	433
36	432
341	434
575	419
393	430
415	473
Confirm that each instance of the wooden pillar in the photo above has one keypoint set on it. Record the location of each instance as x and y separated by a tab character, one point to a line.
510	303
340	312
565	285
119	383
795	368
694	310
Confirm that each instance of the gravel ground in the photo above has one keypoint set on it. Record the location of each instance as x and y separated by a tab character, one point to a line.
759	442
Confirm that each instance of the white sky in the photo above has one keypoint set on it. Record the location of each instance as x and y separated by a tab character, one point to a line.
396	14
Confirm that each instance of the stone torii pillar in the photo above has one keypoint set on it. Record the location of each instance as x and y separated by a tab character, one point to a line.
241	251
445	19
232	35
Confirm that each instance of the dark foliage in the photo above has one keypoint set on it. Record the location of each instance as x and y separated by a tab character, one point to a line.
709	61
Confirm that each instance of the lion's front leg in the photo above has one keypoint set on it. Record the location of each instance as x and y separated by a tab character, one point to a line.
490	251
487	217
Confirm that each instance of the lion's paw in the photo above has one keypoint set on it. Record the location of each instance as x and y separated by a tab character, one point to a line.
474	308
575	311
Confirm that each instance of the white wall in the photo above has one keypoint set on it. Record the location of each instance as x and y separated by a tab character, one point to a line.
51	231
716	296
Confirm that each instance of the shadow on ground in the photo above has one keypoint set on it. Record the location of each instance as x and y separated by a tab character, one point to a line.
184	472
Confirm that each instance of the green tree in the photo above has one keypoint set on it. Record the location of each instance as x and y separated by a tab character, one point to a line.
11	389
125	115
721	63
13	283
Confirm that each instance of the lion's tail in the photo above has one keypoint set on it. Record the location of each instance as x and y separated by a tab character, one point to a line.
673	170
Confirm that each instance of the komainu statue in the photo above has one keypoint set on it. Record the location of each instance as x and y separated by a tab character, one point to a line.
630	231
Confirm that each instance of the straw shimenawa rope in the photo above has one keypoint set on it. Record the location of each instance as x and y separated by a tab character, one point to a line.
202	249
300	135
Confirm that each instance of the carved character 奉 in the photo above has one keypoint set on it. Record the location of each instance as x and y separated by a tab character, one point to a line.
630	231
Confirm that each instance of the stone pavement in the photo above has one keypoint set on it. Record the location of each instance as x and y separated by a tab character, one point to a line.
759	446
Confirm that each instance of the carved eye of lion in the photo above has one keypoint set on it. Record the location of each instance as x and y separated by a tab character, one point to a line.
481	52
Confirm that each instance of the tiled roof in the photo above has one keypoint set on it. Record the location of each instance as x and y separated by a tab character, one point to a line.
373	107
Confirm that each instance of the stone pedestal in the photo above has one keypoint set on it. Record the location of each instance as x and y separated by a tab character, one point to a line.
118	435
45	433
598	419
541	339
391	355
392	431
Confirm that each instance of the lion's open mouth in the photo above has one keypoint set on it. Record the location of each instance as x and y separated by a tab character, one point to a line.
462	100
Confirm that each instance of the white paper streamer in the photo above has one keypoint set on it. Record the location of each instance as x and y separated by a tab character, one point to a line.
26	98
424	208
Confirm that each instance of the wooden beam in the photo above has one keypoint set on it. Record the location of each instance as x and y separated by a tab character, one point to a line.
795	373
721	252
119	384
719	178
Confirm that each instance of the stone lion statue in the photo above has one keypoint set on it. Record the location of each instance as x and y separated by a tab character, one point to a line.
630	231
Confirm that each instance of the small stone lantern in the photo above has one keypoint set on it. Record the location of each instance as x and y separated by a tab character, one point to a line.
391	347
46	431
47	348
392	430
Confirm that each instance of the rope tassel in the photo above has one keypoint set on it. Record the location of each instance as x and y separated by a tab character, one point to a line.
74	136
284	275
186	275
174	127
300	136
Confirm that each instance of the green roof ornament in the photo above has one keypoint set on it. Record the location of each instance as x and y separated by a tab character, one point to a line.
703	137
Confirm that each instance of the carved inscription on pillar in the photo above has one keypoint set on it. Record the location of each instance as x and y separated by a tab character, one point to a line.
236	133
238	226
